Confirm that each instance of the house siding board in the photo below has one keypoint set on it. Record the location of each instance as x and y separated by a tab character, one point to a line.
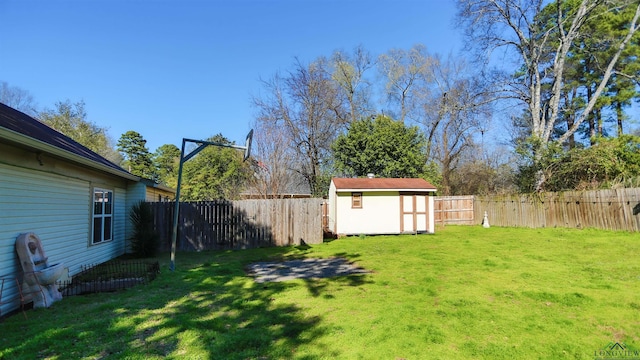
121	230
85	253
57	209
158	195
137	191
49	205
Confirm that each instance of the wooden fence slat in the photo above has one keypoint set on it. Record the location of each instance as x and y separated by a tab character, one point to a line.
454	210
611	209
240	224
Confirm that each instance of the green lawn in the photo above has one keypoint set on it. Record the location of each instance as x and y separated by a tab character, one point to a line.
465	292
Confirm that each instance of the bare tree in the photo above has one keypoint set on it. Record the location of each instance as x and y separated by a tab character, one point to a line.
483	173
349	73
406	77
17	98
456	110
543	49
273	161
304	104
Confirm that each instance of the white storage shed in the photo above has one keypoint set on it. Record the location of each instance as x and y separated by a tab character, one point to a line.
380	206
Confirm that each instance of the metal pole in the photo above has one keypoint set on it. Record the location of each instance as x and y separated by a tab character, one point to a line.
174	233
201	145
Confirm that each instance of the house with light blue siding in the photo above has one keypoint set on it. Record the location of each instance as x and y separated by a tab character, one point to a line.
75	200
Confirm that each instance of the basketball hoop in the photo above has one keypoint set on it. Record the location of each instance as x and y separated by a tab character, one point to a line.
247	145
201	145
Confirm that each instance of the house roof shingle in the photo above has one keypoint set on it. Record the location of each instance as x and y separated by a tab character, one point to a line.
23	124
382	184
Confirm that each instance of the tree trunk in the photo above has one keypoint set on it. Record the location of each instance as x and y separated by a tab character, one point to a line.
570	117
598	115
619	117
592	119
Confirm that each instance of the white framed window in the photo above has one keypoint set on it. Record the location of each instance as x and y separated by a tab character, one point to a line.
102	216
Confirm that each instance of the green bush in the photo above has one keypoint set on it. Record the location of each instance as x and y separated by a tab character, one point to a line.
607	163
144	242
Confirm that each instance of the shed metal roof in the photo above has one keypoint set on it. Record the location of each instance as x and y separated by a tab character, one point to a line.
382	184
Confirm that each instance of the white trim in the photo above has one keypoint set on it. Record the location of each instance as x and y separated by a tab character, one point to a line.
101	216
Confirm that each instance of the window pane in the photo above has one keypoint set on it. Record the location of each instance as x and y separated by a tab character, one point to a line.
97	202
107	228
108	202
102	215
97	230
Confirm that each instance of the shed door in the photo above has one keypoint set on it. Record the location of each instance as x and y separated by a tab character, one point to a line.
413	213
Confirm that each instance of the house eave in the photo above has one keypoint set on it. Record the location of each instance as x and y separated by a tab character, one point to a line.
153	184
38	145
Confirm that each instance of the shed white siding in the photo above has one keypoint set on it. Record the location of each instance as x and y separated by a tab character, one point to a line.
369	219
58	210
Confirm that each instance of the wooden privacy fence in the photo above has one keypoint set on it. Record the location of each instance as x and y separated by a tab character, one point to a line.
454	210
240	224
615	209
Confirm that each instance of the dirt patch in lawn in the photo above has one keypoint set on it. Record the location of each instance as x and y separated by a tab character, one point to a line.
302	269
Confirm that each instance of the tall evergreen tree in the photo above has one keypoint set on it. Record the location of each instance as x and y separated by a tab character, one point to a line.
137	159
166	160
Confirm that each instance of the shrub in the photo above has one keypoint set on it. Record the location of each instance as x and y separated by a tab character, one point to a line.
144	242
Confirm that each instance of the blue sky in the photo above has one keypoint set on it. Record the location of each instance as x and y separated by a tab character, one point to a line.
188	69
